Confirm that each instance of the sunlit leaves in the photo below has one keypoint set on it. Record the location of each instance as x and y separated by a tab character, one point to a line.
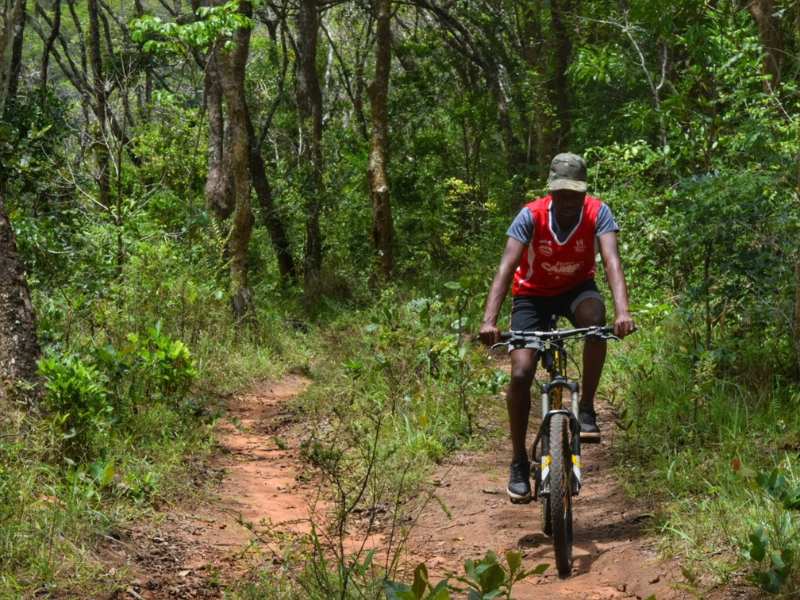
214	24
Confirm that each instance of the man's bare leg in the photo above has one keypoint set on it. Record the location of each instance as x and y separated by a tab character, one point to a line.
518	402
518	399
588	313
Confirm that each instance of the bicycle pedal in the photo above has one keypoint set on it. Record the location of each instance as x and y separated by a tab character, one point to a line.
590	438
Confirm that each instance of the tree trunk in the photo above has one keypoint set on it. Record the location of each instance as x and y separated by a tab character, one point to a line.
101	104
379	154
309	105
559	10
272	219
769	31
233	82
796	331
218	190
48	47
19	348
10	36
16	56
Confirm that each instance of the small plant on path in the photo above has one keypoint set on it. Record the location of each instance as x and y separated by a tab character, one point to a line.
485	579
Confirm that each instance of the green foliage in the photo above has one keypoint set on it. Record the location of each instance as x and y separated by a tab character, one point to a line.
160	368
485	579
421	589
773	544
695	439
213	23
78	398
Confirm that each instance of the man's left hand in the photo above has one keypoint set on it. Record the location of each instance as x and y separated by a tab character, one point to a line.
624	325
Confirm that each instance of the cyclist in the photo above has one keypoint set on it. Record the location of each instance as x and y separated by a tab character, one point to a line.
550	254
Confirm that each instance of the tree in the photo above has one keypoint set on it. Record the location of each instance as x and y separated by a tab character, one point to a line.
378	158
10	48
218	188
309	108
560	11
19	347
232	67
101	105
769	32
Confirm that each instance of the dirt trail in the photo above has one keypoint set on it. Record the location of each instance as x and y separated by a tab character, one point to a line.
193	553
612	556
194	550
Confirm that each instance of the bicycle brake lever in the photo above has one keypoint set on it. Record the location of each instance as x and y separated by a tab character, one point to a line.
604	336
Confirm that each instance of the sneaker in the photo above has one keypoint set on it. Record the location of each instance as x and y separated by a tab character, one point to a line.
590	433
519	484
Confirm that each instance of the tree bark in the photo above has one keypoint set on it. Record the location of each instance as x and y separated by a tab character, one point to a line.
48	47
218	188
16	56
309	106
9	36
233	83
382	231
769	31
19	348
269	212
100	105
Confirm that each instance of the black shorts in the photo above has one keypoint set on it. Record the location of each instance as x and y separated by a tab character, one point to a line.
539	313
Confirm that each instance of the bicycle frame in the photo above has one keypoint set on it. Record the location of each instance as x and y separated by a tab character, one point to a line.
553	354
565	453
554	359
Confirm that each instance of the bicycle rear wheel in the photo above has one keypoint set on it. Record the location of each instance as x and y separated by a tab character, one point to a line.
560	499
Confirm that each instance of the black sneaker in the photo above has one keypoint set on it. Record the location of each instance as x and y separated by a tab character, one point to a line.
519	484
590	433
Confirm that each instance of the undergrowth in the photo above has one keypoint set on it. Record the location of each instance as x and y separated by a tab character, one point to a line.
703	431
398	387
132	373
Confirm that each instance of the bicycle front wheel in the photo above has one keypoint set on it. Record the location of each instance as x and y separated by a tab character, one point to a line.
560	500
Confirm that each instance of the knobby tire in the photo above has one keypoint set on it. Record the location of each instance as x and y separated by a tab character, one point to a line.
560	500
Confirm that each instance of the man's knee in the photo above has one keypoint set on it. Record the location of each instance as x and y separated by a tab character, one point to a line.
590	312
521	375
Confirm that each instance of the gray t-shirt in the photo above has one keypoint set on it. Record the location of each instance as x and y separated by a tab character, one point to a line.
522	227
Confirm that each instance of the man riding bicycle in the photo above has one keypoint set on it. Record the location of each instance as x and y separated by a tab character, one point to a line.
550	253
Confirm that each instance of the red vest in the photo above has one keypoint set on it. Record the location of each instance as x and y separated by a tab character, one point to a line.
549	267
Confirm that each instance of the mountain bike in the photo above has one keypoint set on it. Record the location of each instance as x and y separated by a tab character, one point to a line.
556	449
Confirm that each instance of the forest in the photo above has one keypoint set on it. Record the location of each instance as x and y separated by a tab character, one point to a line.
203	201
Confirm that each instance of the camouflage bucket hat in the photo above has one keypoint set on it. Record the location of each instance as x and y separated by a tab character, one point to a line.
567	172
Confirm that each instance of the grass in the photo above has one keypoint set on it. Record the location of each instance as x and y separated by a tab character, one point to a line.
700	428
55	513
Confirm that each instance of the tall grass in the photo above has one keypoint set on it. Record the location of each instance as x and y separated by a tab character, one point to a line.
700	426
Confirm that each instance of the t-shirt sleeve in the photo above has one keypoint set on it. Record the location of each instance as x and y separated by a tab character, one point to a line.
522	227
605	221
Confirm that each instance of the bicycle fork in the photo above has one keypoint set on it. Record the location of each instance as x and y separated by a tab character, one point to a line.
542	480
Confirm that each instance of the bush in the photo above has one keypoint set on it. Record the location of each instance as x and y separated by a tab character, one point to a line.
77	397
774	544
159	368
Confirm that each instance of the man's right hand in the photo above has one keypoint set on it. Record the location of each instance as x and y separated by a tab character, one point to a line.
489	334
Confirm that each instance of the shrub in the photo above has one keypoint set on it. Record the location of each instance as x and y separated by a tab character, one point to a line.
77	397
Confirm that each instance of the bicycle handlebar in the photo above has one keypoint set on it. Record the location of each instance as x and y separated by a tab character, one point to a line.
507	338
